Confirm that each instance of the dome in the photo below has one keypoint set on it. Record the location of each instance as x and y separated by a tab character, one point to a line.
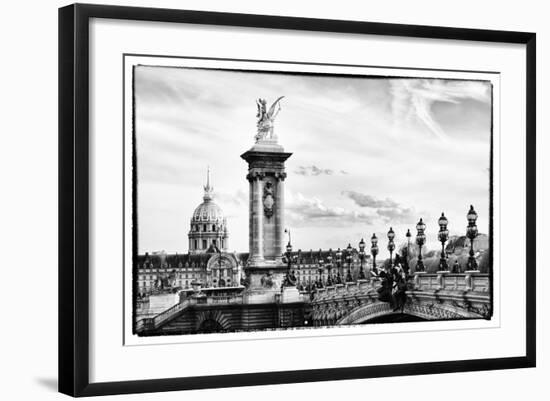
208	211
208	228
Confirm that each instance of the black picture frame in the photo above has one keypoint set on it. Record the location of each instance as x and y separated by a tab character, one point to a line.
74	198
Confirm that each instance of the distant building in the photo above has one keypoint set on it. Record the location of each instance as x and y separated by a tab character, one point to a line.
208	225
161	272
311	266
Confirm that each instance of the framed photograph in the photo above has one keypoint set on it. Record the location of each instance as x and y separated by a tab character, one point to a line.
250	199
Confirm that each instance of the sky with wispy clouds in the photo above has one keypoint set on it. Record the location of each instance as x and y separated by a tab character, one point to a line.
368	153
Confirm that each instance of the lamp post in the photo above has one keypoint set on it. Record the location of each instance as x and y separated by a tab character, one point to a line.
339	263
374	252
391	245
420	241
471	233
408	235
361	257
288	255
443	236
220	279
329	267
321	265
349	259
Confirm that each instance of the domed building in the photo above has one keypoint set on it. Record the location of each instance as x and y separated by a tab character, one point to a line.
208	225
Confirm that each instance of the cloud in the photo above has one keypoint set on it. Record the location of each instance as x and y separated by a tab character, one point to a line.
312	211
398	214
413	98
365	200
387	209
313	170
237	198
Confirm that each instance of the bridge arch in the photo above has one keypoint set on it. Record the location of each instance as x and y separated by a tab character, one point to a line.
212	321
432	311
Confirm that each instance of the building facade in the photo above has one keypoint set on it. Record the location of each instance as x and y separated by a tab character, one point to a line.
324	267
161	272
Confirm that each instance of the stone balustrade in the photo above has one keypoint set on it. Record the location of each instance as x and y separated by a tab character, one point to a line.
441	295
468	281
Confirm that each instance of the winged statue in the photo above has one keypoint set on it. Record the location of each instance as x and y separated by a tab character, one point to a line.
266	119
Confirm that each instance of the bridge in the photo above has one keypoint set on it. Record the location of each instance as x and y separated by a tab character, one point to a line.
437	296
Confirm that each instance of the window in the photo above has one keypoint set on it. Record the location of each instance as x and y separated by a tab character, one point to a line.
203	244
196	244
213	227
204	227
214	242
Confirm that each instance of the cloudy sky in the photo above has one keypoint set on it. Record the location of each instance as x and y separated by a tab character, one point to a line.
368	153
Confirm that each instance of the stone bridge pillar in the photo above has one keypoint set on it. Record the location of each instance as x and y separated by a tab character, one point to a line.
266	176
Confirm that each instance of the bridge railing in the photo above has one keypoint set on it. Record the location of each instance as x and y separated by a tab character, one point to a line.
226	300
346	288
468	281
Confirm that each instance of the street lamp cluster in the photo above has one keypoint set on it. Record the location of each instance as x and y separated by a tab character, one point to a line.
346	256
443	236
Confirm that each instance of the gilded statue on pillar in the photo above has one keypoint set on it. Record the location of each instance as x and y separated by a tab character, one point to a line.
266	119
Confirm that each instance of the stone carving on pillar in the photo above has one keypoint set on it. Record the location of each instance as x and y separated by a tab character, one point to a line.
269	200
267	280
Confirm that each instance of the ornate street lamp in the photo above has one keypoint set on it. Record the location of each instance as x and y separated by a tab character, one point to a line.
391	245
420	241
220	279
471	233
361	257
338	261
349	259
408	235
443	236
329	267
288	257
374	252
321	266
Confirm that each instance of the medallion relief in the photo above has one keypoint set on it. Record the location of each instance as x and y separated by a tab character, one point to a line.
269	200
